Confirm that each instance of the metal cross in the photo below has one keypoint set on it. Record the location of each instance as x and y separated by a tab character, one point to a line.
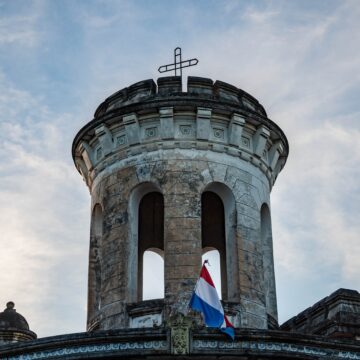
178	64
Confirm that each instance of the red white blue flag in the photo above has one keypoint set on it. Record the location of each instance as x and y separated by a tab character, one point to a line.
206	300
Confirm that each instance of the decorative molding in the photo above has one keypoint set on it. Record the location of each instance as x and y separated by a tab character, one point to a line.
180	334
214	137
121	140
218	133
210	101
93	349
245	141
186	130
180	346
151	132
273	347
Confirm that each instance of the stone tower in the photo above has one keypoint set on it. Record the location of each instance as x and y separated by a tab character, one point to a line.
180	173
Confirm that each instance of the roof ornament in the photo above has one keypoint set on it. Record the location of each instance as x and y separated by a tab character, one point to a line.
178	63
10	306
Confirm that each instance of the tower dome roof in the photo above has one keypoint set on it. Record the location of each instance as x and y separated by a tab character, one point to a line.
10	319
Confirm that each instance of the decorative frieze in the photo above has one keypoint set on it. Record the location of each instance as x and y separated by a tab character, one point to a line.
205	346
203	115
180	346
218	133
93	349
121	140
186	130
151	132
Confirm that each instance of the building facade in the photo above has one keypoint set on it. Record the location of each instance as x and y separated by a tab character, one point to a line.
181	173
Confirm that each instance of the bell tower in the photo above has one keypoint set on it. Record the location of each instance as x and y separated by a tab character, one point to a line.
180	173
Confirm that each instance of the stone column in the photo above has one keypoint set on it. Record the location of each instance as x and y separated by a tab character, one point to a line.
182	235
114	192
252	296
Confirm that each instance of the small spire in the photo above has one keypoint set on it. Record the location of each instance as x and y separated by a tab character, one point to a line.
10	305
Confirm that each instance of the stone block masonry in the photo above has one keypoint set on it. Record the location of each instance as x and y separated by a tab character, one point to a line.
214	138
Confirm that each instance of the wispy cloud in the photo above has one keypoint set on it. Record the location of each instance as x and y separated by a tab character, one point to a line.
300	59
39	188
20	27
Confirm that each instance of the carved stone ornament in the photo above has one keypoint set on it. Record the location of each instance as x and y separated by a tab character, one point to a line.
218	133
186	130
180	334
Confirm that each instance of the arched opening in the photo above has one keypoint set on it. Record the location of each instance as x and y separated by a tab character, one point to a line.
150	233
268	261
153	274
94	286
213	257
213	232
219	231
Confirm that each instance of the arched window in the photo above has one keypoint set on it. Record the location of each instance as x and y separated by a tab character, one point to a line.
150	235
213	232
213	256
153	274
94	288
268	261
219	232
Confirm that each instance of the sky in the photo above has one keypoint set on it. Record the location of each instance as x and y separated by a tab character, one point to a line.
60	59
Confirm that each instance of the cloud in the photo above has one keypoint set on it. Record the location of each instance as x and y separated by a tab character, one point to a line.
21	27
315	211
18	30
296	59
259	17
305	71
39	214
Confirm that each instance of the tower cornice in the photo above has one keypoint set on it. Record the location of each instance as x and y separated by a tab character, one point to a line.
134	120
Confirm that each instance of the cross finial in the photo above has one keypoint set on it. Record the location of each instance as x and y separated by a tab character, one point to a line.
178	64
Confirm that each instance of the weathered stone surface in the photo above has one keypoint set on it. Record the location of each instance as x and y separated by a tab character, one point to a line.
172	147
190	342
180	145
336	316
